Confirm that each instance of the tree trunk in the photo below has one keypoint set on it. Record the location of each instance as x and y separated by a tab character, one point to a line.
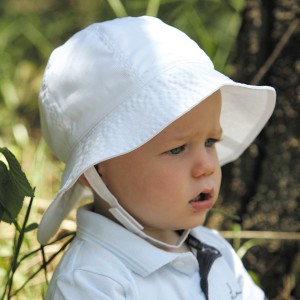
263	186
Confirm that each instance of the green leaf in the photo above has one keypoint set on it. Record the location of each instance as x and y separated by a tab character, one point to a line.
31	227
5	209
14	187
16	174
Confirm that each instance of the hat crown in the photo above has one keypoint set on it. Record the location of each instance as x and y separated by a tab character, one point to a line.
100	67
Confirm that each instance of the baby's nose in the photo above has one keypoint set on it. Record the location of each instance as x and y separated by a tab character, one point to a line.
204	165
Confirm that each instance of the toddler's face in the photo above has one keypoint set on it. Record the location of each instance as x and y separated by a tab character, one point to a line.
172	181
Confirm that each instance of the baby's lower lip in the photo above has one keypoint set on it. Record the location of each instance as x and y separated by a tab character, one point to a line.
203	204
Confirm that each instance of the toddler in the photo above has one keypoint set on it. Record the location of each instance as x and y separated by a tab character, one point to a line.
138	114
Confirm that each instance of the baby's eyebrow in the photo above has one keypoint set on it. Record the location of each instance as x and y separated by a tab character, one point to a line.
182	135
187	134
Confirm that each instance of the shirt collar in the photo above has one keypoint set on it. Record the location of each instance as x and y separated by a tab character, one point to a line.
139	255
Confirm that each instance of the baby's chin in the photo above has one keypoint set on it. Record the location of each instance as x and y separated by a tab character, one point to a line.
200	220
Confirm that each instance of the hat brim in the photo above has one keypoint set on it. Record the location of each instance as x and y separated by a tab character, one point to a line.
168	96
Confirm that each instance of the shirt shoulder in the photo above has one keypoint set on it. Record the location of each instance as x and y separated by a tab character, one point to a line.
87	266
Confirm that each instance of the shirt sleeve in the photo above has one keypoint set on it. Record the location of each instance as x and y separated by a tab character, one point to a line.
85	285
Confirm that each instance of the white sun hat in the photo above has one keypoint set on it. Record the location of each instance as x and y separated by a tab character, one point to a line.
115	85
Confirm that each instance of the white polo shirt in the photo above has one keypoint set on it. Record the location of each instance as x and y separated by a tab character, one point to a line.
106	261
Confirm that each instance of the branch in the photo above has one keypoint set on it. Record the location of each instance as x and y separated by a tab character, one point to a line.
265	235
277	50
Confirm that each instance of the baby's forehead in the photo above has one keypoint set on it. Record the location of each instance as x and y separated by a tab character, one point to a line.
202	120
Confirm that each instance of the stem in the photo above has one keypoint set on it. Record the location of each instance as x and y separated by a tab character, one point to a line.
15	263
42	247
43	266
279	47
7	279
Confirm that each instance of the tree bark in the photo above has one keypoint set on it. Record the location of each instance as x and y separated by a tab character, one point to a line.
263	186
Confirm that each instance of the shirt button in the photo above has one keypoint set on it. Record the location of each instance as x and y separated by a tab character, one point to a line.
178	264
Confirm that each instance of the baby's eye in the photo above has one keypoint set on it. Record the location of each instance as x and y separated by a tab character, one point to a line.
210	142
176	150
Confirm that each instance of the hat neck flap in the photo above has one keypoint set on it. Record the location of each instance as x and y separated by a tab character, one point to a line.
121	214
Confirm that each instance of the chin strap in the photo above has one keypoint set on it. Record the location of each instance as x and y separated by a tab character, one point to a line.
120	213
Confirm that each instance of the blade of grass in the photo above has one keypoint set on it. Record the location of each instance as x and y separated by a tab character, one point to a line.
153	7
118	8
247	246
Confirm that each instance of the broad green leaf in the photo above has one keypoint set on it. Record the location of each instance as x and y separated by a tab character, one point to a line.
11	202
16	174
14	187
5	211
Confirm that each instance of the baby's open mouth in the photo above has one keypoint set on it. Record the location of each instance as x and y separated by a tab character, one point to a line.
202	197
